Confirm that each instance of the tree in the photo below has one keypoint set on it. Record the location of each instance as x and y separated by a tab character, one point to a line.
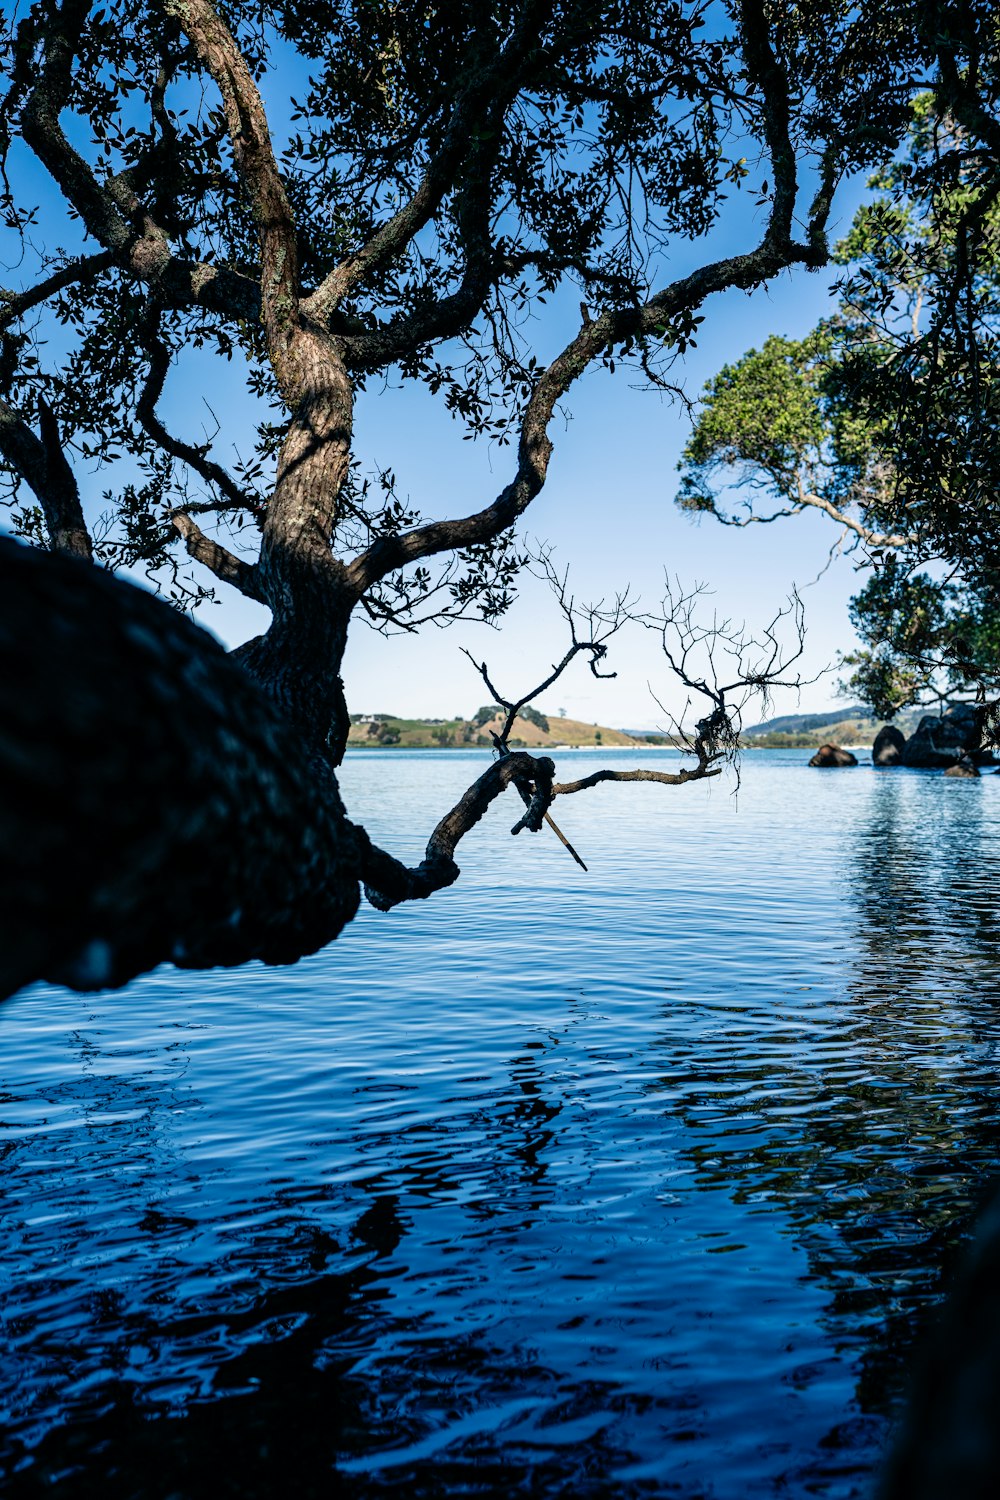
446	169
886	417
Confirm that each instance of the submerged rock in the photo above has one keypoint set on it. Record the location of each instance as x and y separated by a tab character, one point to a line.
964	767
888	747
831	756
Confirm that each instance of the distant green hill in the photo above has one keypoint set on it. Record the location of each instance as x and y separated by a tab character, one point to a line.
533	731
802	723
843	726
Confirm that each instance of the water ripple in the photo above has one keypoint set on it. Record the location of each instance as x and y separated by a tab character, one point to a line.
639	1182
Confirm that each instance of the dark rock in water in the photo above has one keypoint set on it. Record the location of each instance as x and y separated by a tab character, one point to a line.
965	767
888	747
939	743
922	751
966	721
830	756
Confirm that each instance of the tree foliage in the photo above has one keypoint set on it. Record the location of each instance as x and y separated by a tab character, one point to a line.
443	169
885	418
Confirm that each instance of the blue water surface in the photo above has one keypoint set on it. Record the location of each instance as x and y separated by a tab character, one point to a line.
638	1181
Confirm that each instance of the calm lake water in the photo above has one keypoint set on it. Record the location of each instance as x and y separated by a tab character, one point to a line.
634	1182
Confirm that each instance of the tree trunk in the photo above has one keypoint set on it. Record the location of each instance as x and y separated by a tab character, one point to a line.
297	661
154	805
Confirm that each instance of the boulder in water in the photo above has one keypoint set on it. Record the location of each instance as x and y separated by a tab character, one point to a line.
828	757
937	744
888	747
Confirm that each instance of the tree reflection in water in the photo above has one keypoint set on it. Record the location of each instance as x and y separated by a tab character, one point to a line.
262	1354
873	1125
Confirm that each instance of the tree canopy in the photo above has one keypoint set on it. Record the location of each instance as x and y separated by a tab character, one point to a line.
319	194
885	417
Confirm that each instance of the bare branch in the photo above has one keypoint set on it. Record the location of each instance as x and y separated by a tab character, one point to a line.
601	624
701	654
667	778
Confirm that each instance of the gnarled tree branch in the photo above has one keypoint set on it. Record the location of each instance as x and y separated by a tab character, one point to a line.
388	882
41	463
251	143
666	778
226	566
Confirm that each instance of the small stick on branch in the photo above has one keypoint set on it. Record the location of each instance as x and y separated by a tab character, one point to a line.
502	750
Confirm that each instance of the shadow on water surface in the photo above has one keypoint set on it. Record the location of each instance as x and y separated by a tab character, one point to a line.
260	1353
263	1392
661	1219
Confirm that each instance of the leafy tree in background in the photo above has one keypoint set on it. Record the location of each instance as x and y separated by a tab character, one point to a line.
533	716
885	418
445	169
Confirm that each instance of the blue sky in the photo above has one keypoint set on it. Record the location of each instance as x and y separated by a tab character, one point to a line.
607	508
608	511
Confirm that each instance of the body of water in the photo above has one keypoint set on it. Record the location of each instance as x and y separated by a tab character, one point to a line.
632	1182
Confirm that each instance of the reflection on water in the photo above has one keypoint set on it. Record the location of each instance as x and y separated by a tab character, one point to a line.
640	1182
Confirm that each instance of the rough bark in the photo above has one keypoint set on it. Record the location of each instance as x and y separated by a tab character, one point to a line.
154	805
298	660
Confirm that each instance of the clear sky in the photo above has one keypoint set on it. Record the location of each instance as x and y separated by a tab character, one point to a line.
607	508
